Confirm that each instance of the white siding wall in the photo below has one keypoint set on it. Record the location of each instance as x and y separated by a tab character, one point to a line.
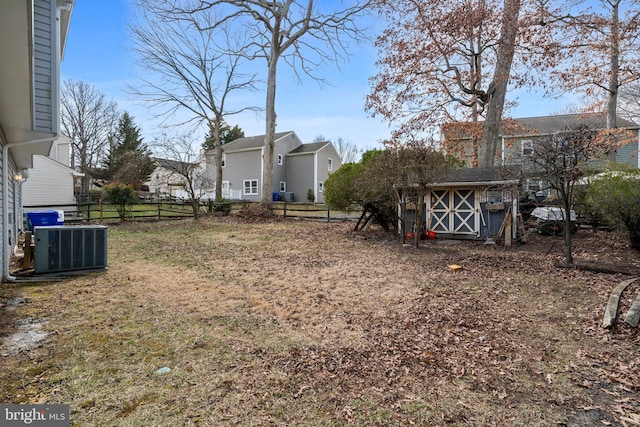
49	183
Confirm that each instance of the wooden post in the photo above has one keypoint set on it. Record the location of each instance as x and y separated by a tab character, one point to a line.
285	207
26	250
507	230
328	215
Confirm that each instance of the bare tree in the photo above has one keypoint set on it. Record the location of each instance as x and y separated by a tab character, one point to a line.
191	69
497	90
89	119
185	162
444	61
304	33
601	39
561	160
347	150
629	105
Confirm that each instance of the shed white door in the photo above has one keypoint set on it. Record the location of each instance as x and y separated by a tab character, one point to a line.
454	211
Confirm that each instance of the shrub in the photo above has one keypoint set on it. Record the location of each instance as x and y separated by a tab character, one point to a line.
616	197
222	206
122	196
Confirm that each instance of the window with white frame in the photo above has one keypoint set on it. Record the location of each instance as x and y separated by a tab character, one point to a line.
250	187
283	186
280	159
330	164
526	146
321	187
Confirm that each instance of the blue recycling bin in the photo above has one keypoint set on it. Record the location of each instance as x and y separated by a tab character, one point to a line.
44	218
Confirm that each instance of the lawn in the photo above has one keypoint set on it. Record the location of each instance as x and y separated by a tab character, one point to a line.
296	322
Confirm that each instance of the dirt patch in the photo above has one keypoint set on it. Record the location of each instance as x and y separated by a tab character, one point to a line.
307	323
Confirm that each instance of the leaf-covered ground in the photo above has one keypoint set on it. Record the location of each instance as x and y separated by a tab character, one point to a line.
306	323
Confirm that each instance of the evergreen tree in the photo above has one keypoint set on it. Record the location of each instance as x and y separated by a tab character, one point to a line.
227	134
129	159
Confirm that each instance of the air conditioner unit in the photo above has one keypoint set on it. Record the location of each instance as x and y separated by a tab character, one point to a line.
68	248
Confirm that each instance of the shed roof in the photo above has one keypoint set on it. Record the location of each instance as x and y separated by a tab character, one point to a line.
480	176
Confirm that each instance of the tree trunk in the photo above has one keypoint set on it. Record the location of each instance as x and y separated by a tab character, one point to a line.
83	168
218	150
612	102
498	88
269	138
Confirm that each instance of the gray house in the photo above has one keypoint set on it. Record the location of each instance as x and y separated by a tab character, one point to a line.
519	142
297	168
308	167
32	40
518	137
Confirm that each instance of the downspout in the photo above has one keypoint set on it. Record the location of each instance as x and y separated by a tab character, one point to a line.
5	200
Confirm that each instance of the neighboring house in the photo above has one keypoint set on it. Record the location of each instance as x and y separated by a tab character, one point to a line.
50	183
471	203
297	168
168	179
518	137
308	167
32	39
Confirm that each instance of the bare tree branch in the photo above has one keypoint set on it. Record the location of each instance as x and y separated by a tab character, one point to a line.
193	70
89	119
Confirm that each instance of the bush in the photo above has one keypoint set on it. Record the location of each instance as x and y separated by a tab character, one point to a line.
616	196
122	196
222	206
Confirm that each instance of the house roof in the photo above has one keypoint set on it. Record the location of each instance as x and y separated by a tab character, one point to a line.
175	165
309	148
559	123
250	142
529	126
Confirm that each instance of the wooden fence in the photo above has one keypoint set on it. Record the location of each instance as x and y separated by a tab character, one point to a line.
101	212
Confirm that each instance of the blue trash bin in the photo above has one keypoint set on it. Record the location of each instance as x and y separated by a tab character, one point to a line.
44	218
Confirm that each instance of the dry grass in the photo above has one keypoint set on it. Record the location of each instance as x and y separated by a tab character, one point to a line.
304	323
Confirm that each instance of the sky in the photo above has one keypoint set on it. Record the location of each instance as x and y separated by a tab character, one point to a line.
98	53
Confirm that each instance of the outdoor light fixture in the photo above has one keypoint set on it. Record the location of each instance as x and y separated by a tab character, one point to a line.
21	176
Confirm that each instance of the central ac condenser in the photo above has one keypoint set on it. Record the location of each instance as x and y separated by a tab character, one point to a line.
68	248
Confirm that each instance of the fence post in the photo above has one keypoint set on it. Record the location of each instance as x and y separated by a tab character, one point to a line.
159	206
285	208
328	215
101	211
